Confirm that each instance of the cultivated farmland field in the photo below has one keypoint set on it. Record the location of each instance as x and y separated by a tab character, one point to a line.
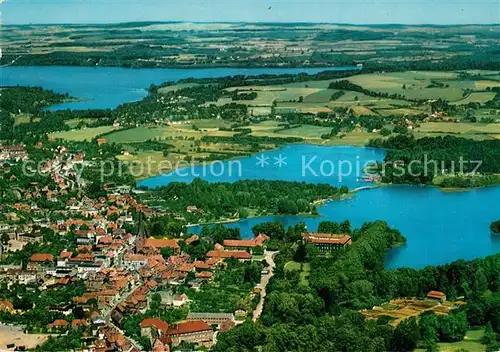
86	134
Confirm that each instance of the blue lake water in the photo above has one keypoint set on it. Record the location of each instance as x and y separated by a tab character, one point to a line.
337	166
108	87
440	226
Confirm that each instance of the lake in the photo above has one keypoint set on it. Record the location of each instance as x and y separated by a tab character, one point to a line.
338	166
440	226
108	87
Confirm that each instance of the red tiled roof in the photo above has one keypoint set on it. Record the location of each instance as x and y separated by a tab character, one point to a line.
42	257
58	323
78	322
192	239
160	243
65	254
229	254
241	243
326	238
204	275
189	327
436	294
156	322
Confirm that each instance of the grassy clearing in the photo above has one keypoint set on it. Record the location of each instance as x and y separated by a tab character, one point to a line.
418	85
25	118
476	97
462	128
165	90
84	134
399	111
362	111
306	131
471	343
73	123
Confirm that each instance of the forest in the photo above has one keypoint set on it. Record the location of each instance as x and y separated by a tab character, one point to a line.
323	315
419	161
219	200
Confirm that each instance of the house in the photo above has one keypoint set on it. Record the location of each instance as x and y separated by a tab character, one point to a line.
180	300
437	295
153	327
192	239
6	306
101	141
151	244
42	258
58	324
325	242
248	245
211	318
198	332
161	344
241	255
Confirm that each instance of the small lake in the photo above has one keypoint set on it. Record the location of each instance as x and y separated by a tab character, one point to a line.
108	87
440	226
337	166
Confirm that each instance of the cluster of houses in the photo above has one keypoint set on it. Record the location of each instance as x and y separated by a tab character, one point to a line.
120	270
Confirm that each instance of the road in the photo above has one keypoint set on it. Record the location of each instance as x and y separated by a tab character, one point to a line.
269	256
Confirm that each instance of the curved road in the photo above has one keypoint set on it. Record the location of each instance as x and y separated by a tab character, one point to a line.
269	256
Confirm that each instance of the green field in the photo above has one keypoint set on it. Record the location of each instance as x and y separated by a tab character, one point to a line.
471	343
476	97
306	131
84	134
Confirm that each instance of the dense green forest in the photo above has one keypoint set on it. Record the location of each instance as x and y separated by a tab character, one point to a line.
323	315
418	161
218	200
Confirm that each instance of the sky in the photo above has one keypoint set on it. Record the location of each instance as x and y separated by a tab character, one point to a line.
333	11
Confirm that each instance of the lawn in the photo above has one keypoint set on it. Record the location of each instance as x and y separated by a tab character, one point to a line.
462	128
138	134
470	343
304	274
25	118
476	97
84	134
415	85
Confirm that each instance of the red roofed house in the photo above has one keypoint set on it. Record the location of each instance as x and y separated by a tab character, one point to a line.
153	327
241	255
437	295
192	239
41	258
197	332
158	243
58	324
325	242
248	245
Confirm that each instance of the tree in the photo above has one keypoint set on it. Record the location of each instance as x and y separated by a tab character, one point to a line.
329	227
453	327
406	335
489	337
5	239
495	226
345	227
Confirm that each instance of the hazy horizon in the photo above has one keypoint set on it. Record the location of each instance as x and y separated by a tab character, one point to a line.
356	12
